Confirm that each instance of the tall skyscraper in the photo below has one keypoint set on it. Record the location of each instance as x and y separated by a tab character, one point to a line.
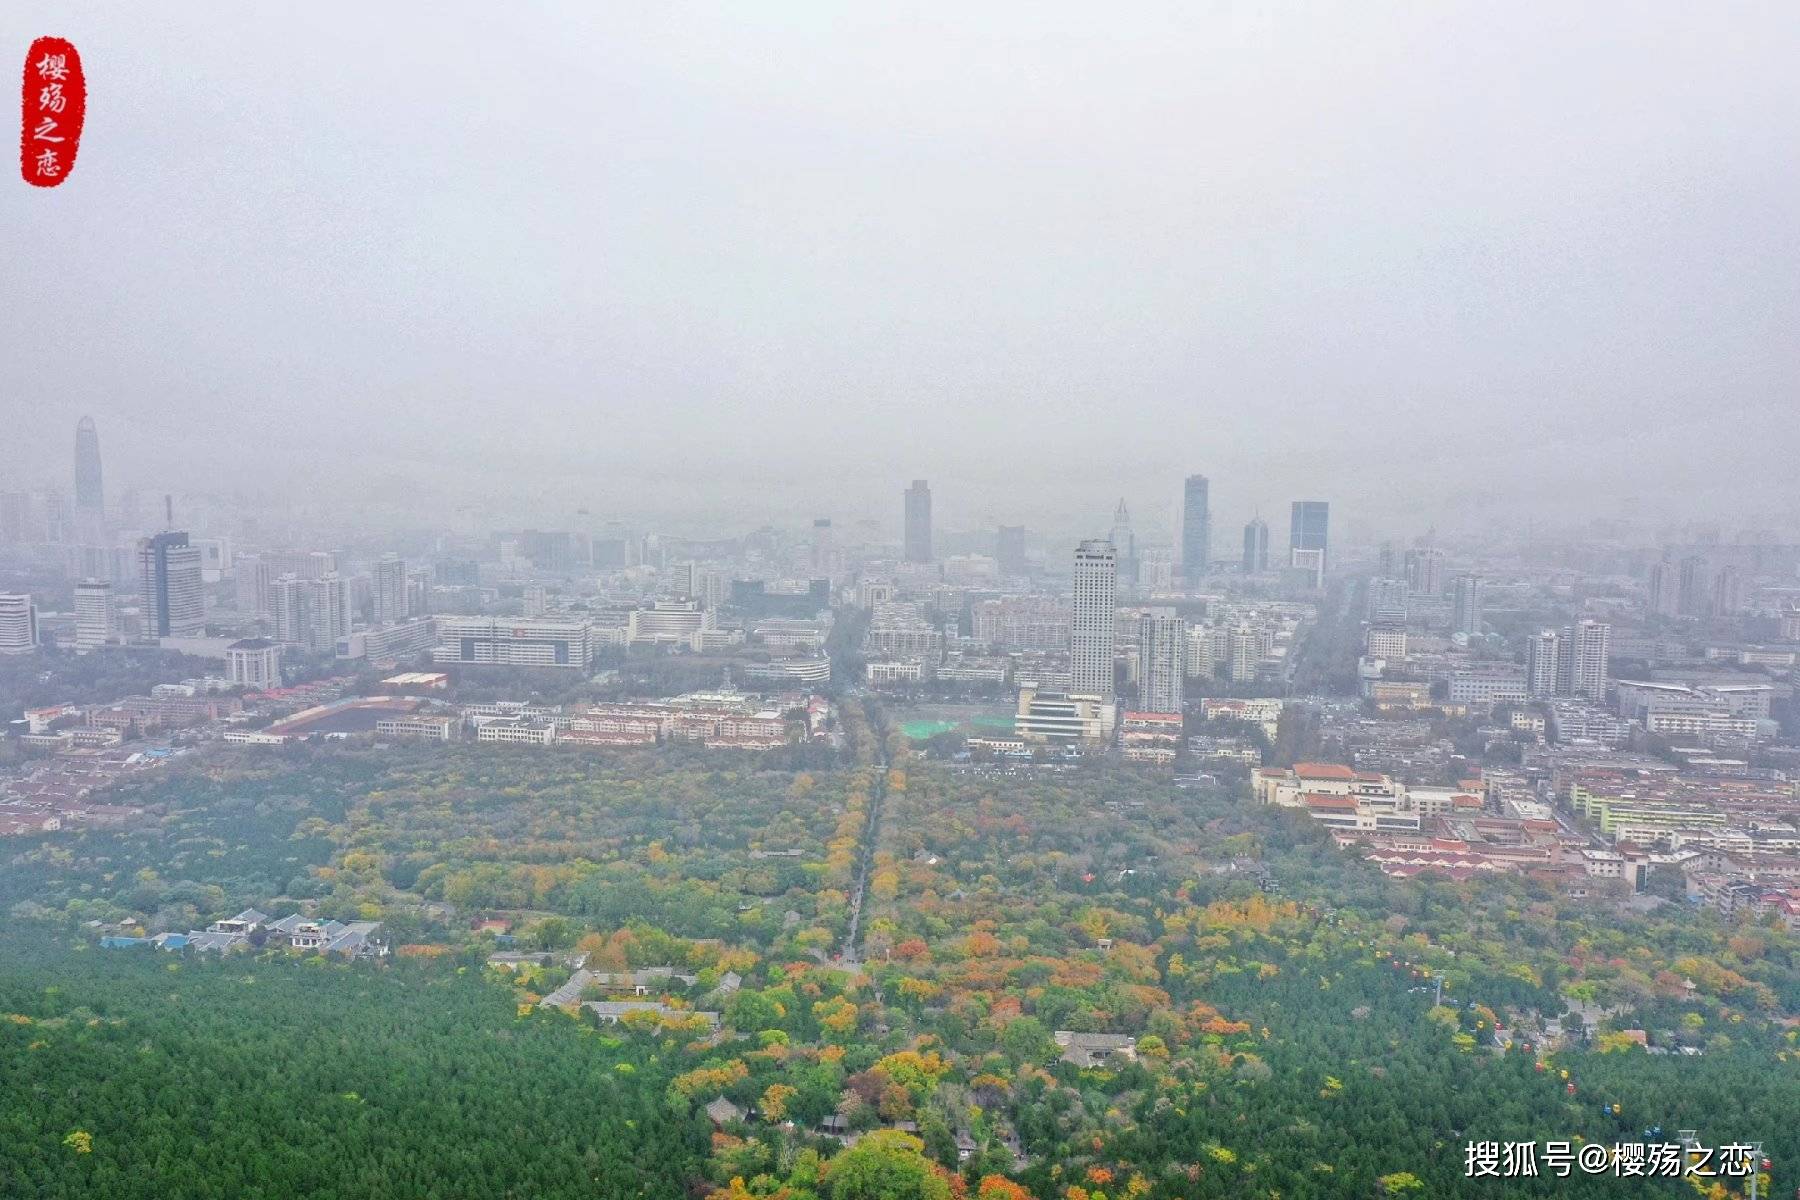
390	590
332	610
255	582
1309	530
1256	546
1162	652
1543	663
90	497
1588	644
18	624
1124	542
174	596
1468	605
94	620
824	554
1009	550
1093	619
313	613
918	522
1196	529
1664	599
1243	653
1728	592
1696	595
287	603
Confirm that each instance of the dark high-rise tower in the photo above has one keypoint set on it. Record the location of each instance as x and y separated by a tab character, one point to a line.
90	498
1196	529
1256	546
1308	534
918	522
1009	549
174	594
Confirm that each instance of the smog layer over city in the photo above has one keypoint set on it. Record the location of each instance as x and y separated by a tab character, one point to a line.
1006	602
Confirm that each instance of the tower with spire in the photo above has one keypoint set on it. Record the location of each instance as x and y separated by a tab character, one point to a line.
1124	543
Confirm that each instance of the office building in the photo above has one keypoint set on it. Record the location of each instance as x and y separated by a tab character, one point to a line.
513	642
1063	718
95	622
1093	620
1387	600
918	522
1588	644
1467	615
1309	536
1196	529
1425	571
391	602
1256	546
90	497
1386	641
18	624
253	663
1543	664
1020	623
682	623
1162	655
174	595
1009	550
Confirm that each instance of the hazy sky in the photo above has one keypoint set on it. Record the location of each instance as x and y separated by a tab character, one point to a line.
1418	259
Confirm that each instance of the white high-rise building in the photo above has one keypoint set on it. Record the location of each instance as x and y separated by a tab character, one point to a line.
1543	658
1588	645
313	613
1162	655
287	604
255	584
95	623
1468	606
390	590
18	624
1244	653
1093	620
1201	662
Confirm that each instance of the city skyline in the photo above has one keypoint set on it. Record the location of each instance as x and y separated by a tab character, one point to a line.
820	602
